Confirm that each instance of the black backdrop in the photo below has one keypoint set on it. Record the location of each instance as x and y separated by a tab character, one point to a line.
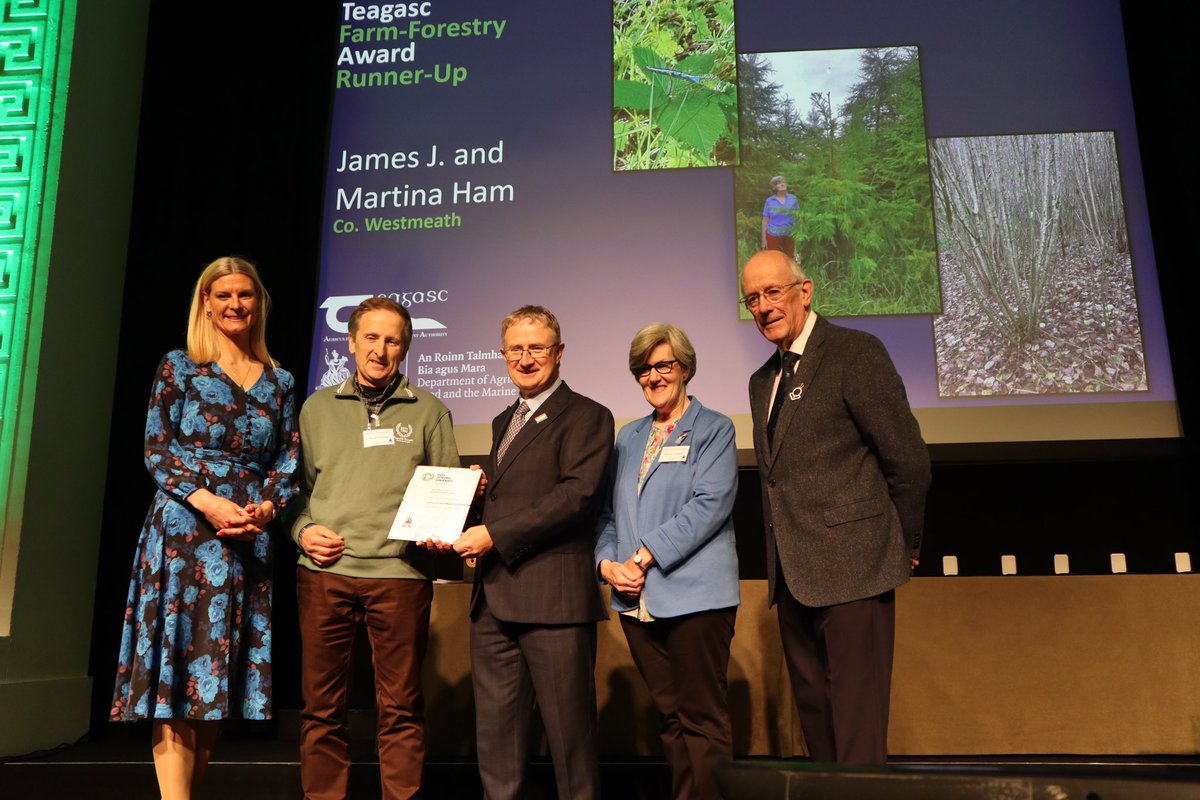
231	161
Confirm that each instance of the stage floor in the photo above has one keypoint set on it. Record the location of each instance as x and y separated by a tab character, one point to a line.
266	769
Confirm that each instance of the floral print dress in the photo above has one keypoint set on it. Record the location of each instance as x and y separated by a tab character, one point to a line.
197	636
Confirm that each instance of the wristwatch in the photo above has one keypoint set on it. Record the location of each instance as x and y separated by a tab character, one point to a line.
637	559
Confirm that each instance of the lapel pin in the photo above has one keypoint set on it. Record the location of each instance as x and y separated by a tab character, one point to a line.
797	393
540	418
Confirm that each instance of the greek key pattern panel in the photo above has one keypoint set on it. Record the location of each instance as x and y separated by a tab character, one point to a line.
30	49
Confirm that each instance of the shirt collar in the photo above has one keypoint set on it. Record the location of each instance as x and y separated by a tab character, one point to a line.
536	401
402	391
802	340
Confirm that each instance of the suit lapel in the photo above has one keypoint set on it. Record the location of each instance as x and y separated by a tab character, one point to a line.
760	400
629	469
814	350
548	412
498	429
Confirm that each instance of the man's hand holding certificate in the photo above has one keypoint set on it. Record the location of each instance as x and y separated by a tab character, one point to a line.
435	504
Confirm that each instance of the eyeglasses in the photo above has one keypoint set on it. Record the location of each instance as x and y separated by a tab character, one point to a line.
535	351
772	294
662	368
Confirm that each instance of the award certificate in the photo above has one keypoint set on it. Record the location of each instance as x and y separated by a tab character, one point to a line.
435	504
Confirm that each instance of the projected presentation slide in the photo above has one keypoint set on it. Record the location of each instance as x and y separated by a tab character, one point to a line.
959	179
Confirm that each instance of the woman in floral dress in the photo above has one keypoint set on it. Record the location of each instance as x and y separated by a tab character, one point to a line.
222	445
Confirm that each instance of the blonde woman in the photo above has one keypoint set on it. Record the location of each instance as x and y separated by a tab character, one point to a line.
222	445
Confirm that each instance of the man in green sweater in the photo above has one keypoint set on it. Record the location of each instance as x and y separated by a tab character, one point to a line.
361	442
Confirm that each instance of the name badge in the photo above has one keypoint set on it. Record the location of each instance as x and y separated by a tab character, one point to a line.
378	437
677	452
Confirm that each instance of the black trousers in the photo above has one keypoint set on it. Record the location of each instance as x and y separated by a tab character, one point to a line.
685	661
514	664
840	662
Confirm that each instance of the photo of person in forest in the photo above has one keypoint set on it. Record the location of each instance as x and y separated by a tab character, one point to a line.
1036	267
856	160
779	217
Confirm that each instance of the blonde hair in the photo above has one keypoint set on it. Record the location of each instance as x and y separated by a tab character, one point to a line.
656	333
202	345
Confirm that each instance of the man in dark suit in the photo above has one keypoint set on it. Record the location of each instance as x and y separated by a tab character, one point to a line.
844	474
536	599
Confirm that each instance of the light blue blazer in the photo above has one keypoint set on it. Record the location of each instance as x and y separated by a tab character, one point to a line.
684	515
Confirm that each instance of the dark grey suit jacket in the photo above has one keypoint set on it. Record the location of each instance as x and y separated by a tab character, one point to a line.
540	510
844	482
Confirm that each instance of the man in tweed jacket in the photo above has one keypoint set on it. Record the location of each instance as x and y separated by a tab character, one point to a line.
844	474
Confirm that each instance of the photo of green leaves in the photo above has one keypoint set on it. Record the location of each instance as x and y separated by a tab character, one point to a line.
846	130
1036	267
674	84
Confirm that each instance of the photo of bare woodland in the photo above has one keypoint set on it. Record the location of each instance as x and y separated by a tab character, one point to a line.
1037	280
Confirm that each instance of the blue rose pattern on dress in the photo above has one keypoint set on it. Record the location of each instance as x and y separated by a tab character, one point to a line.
196	642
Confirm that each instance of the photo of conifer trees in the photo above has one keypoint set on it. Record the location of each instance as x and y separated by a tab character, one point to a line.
846	129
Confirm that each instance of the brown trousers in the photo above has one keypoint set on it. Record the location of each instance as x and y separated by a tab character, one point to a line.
396	614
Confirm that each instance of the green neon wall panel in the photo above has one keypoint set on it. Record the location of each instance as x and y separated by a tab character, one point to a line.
35	48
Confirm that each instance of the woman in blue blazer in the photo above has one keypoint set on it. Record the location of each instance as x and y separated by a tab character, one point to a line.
666	547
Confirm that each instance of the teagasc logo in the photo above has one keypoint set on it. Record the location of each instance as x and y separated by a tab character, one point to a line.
428	476
335	304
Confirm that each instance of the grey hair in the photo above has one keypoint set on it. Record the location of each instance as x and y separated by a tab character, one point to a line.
657	333
539	314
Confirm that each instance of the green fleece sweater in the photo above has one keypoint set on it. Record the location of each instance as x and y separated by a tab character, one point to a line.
355	490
